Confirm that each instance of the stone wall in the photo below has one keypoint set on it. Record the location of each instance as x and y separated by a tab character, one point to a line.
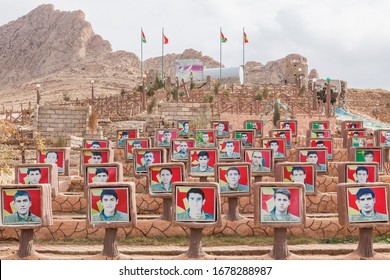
183	111
61	121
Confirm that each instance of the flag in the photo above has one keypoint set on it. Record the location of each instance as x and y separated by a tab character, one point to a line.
165	40
223	38
143	38
245	38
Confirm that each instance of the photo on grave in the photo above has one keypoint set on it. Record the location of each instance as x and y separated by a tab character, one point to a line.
278	145
185	129
288	124
179	149
300	174
137	143
384	138
122	135
246	136
144	157
221	129
353	124
164	137
202	162
229	149
280	204
321	143
101	174
21	206
257	125
109	205
162	177
33	175
95	157
204	138
95	144
355	132
283	133
368	155
53	156
316	133
361	141
260	160
367	204
355	173
321	125
233	178
317	156
195	204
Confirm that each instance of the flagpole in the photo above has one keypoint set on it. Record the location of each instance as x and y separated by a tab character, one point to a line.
162	56
220	55
142	70
243	55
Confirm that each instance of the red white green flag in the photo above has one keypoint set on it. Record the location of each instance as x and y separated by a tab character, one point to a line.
143	38
245	38
223	38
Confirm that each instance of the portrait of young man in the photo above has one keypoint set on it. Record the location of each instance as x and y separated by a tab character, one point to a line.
246	137
257	161
312	157
274	145
184	129
109	201
222	129
256	125
55	157
34	175
183	151
137	143
386	141
22	204
148	158
280	212
202	166
101	175
323	143
122	137
233	175
298	175
228	152
196	200
205	139
366	201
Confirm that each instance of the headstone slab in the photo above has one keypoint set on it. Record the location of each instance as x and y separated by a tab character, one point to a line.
354	172
238	173
293	172
57	155
266	156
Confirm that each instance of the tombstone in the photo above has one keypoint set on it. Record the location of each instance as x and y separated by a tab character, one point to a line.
160	179
205	138
288	124
357	172
282	133
38	212
179	149
369	154
352	132
164	137
351	124
319	125
318	133
185	129
102	173
261	162
38	173
96	144
196	205
59	156
234	181
318	156
95	156
321	143
221	128
257	125
364	206
145	156
111	206
247	137
123	134
136	143
280	206
361	141
229	150
383	138
298	172
278	145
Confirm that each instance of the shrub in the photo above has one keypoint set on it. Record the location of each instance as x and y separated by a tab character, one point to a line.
66	97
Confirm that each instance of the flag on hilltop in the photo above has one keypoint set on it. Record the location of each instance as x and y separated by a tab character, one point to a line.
165	39
245	38
143	38
223	38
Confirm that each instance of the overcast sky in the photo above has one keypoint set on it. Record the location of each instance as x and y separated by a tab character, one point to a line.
342	39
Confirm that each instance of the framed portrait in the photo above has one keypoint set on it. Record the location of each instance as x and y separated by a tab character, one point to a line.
383	137
164	137
347	124
26	206
261	161
247	137
123	134
201	162
282	133
363	205
196	204
321	143
288	124
204	138
297	173
96	144
354	132
318	156
185	129
361	141
136	143
58	156
179	149
279	204
316	133
37	173
162	176
229	150
111	205
374	154
278	145
221	129
319	125
233	179
95	156
102	173
353	172
144	157
256	125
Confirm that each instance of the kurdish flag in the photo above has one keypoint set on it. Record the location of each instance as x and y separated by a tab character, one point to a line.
245	38
223	38
143	38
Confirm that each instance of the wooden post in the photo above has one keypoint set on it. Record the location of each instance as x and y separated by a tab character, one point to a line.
26	243
233	214
110	247
328	109
167	209
280	250
365	246
195	249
